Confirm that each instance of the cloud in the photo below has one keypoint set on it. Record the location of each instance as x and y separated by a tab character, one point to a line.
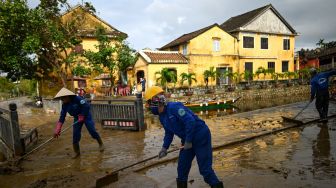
181	19
154	23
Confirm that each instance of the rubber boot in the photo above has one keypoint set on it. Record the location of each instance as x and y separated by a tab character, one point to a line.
181	184
218	185
101	145
76	150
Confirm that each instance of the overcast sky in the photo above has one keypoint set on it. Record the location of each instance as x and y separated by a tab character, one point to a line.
154	23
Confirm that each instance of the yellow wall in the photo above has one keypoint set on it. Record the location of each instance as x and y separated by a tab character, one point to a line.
261	57
202	56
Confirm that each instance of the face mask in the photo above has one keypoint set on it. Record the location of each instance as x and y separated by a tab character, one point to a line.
154	110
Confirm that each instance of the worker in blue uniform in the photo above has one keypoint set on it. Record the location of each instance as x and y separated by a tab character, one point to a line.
78	108
194	134
320	89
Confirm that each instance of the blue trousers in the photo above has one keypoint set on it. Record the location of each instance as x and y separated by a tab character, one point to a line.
201	148
77	129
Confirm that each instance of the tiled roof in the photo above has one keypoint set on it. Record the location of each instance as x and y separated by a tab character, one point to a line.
234	23
187	37
163	57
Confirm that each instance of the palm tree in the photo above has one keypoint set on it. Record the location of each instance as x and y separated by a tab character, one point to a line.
188	77
234	76
304	74
165	76
211	73
248	76
321	43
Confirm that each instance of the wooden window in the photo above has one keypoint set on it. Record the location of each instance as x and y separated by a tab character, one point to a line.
286	44
271	65
249	68
248	42
284	66
264	43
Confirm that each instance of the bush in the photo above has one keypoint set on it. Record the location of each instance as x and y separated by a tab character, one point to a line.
27	87
6	85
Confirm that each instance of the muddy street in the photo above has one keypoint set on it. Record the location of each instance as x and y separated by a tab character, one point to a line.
302	157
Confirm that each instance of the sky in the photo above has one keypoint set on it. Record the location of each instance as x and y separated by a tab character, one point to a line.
154	23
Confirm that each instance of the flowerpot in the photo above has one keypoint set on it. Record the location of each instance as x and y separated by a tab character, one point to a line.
231	89
189	93
210	91
263	86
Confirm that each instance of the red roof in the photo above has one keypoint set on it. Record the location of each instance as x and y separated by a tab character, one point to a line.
163	57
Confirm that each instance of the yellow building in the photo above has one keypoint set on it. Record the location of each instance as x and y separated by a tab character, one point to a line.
265	40
259	38
149	62
87	34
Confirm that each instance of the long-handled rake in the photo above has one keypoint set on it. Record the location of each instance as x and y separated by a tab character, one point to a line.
41	145
293	119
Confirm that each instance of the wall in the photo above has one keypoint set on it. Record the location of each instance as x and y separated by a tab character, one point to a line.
261	57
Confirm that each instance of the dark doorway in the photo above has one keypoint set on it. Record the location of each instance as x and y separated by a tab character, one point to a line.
140	74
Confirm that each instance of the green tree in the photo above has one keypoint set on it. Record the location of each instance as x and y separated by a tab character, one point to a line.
37	40
103	58
18	26
166	76
189	77
81	70
125	58
211	73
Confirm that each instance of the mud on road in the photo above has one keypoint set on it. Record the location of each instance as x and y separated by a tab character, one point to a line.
303	157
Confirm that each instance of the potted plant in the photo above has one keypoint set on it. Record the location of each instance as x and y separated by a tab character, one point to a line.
262	70
248	76
304	75
211	73
234	76
288	75
189	77
166	76
275	77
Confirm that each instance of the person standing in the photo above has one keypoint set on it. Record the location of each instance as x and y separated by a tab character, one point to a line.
194	134
78	108
143	84
320	90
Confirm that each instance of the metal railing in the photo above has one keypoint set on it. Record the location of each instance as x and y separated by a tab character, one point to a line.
119	114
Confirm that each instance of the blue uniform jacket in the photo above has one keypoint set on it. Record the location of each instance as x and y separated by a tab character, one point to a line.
320	82
77	106
181	121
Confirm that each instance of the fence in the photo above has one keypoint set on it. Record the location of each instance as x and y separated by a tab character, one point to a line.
13	141
119	114
10	143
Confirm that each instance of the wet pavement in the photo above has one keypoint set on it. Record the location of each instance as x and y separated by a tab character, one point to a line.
303	157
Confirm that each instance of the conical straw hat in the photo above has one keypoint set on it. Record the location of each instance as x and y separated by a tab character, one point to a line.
64	92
